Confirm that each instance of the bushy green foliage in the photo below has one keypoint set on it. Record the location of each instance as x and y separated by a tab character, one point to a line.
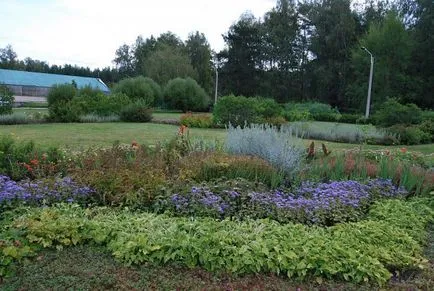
197	120
138	111
311	111
389	239
60	105
6	100
414	134
185	95
101	104
14	156
140	88
392	112
350	118
240	111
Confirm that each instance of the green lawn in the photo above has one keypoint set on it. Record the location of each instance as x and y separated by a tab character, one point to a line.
82	135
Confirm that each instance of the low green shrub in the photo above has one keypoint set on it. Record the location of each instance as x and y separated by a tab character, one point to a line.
390	239
392	112
311	111
186	95
102	104
197	120
412	135
136	112
140	88
240	111
349	118
6	100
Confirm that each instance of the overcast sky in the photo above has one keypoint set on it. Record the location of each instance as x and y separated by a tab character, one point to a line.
88	32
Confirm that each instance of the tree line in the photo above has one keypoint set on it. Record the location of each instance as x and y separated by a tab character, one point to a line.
298	51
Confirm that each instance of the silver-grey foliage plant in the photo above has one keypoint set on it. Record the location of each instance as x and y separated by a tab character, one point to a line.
282	149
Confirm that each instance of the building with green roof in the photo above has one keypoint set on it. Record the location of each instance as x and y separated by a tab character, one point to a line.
33	86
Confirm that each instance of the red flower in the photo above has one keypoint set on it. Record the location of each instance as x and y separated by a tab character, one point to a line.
404	150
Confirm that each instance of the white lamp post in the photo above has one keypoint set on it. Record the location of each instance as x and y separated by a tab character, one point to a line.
371	73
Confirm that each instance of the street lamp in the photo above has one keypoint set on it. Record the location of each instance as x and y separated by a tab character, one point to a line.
368	102
216	83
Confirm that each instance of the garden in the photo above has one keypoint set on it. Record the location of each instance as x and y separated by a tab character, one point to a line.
256	206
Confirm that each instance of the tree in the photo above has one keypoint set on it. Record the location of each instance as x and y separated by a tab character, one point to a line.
167	63
243	58
422	61
8	57
390	44
124	60
199	51
333	37
185	95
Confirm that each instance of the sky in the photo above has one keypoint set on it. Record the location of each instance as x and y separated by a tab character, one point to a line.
88	32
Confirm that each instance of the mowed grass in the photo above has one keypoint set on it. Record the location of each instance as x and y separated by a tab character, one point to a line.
84	135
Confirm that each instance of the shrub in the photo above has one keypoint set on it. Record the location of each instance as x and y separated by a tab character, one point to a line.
197	120
240	111
60	105
136	112
102	104
392	112
6	100
350	118
311	110
278	148
185	95
89	92
236	110
140	88
411	135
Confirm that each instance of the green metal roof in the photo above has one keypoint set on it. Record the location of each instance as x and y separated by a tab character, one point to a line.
22	78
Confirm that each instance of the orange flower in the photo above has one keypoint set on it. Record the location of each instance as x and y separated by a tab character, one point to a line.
28	167
34	162
182	130
134	145
403	150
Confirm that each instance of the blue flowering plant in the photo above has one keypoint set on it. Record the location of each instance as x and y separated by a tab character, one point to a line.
42	192
312	203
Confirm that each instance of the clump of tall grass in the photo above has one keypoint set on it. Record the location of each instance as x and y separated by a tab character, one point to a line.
21	118
343	133
94	118
281	149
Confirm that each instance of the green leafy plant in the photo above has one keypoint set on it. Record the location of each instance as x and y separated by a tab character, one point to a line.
136	112
185	95
197	120
140	88
6	100
392	112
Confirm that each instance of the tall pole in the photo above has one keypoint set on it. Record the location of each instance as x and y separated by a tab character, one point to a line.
216	84
371	73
